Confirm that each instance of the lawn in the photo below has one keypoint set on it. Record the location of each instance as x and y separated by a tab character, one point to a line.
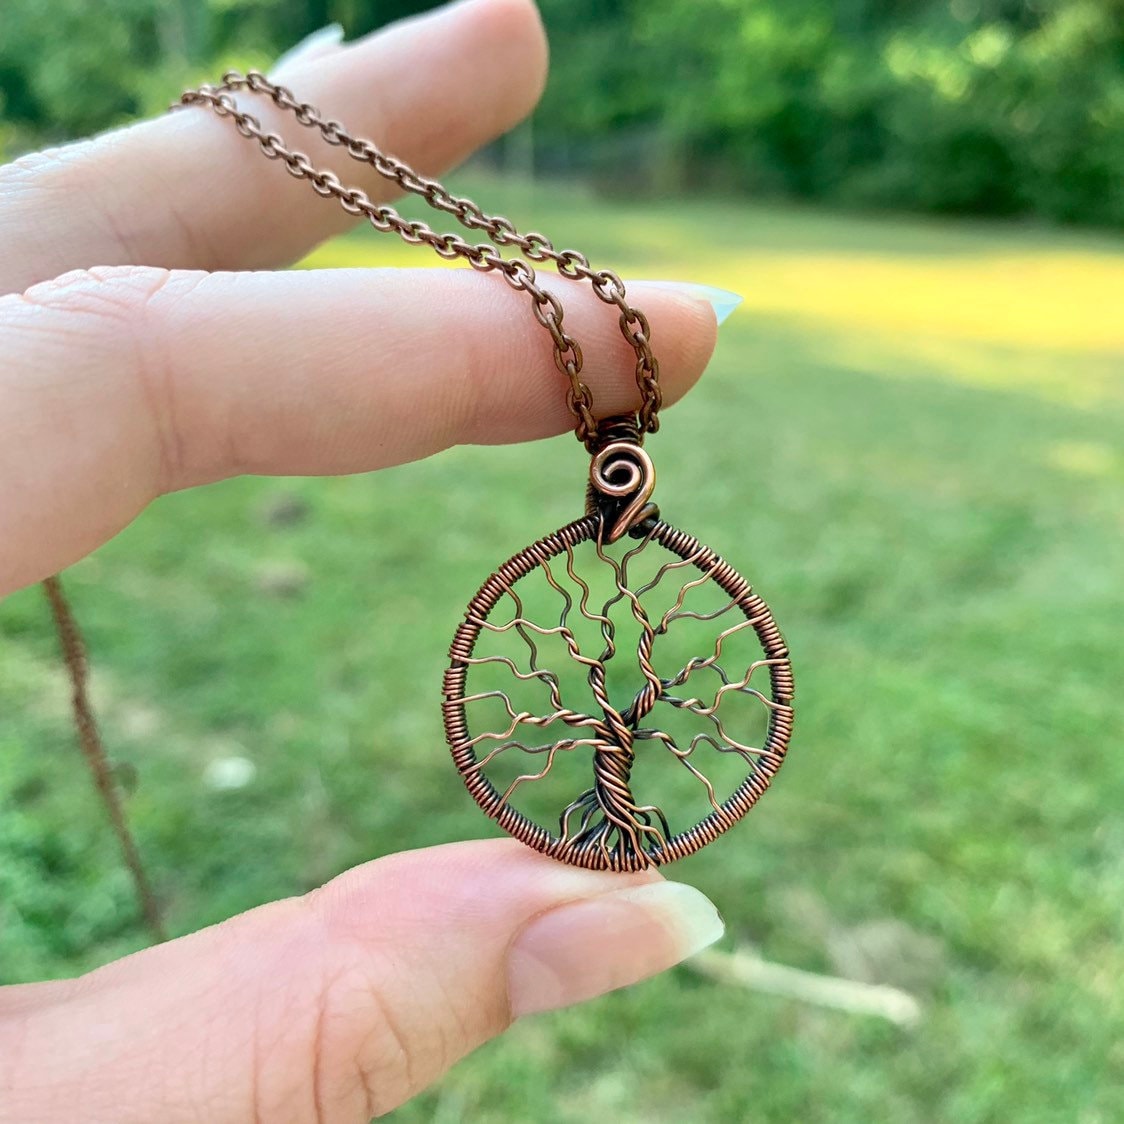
910	440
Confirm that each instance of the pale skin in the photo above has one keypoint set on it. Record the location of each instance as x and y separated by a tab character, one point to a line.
144	348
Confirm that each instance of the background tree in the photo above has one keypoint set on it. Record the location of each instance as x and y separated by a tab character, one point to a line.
998	107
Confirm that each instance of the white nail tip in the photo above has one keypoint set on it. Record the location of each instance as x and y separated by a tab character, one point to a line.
314	44
685	910
721	300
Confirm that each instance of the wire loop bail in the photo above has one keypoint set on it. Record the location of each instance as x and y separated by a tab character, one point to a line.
622	479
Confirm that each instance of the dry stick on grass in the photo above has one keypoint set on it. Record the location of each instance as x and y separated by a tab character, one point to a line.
748	970
74	653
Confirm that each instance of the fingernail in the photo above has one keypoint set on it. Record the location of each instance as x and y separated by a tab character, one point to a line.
721	300
312	46
586	948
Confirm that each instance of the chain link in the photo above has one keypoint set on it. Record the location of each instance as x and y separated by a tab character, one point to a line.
483	256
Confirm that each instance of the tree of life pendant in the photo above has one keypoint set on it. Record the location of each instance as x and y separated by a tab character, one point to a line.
618	704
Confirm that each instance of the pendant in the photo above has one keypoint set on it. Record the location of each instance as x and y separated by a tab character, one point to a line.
618	696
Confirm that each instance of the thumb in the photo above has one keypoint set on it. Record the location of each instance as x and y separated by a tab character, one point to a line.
340	1005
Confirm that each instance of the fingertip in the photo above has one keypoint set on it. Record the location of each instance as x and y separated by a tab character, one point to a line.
505	42
314	47
513	32
584	949
684	331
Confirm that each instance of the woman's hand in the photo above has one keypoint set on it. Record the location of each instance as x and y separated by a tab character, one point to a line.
131	366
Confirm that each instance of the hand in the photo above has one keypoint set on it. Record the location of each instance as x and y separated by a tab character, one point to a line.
129	367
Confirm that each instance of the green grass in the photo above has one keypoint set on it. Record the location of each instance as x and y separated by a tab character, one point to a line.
910	440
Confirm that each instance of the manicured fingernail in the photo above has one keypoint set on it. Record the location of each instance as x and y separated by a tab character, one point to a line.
586	948
311	46
721	300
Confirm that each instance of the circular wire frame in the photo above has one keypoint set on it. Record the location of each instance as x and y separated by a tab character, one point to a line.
678	845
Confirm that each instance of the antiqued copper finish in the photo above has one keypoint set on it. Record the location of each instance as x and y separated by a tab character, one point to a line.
518	273
621	470
604	827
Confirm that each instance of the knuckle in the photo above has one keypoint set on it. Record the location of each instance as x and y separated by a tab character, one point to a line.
76	180
112	316
50	169
104	293
381	1023
363	1053
71	179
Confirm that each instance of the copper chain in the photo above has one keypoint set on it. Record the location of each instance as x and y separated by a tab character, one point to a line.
484	256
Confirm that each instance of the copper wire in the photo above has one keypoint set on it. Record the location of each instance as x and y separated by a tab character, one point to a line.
604	827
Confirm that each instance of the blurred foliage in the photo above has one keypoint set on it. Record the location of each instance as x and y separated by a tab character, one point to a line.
1001	107
974	106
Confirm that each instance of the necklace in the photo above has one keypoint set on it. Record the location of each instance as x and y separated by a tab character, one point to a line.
565	696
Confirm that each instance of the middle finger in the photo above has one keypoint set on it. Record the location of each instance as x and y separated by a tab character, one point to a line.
185	191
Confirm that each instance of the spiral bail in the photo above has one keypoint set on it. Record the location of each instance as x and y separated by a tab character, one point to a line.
621	479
